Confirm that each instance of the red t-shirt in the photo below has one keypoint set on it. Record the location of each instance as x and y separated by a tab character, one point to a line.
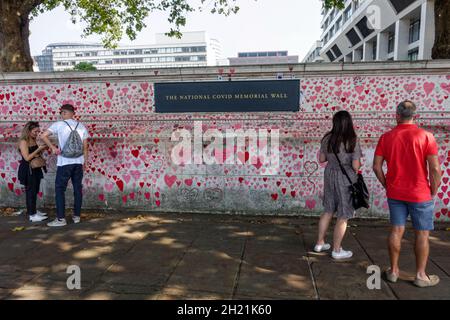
405	149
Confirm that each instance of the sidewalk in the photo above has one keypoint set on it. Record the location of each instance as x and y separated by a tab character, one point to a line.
172	256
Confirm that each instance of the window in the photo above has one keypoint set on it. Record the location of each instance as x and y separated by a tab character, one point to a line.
347	13
413	55
374	51
338	24
330	56
414	31
401	5
337	52
362	26
391	42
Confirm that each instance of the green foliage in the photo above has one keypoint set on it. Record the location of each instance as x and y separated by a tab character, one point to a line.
113	18
339	4
84	66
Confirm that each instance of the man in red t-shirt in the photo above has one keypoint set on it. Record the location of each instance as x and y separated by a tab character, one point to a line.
410	187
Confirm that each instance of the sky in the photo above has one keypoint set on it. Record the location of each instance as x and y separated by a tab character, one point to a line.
260	25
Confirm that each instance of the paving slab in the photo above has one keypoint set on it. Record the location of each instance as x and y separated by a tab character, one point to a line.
174	256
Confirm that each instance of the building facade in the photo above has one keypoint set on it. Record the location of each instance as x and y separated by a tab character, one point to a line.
313	54
263	57
378	30
192	50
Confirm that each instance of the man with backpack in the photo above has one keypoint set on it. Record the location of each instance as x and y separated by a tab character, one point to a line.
72	153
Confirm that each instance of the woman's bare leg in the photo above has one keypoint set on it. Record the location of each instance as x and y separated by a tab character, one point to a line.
339	233
324	222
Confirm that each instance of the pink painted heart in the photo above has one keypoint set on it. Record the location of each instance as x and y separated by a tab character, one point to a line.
14	165
410	87
144	86
310	203
109	186
170	180
110	94
446	87
428	87
39	94
136	174
359	89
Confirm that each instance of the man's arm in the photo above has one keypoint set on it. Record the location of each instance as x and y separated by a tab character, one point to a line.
45	137
378	169
85	152
434	172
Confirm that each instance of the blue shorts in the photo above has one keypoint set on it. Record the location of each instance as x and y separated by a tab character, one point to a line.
422	214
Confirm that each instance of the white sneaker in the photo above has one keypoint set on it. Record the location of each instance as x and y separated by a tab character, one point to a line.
57	223
37	218
342	254
76	219
322	247
42	214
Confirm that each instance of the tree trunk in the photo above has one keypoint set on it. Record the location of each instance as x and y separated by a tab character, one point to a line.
441	48
15	53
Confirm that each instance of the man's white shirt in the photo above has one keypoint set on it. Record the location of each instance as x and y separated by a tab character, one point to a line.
62	131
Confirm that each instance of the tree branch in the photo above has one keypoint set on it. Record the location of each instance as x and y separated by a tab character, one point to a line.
28	5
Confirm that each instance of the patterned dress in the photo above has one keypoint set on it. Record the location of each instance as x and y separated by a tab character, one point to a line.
336	194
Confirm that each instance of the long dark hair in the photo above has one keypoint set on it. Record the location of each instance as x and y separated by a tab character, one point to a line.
29	126
342	133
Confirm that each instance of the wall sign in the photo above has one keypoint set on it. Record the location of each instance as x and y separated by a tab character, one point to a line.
228	96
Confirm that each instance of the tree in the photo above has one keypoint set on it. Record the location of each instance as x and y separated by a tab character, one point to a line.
109	18
441	48
84	66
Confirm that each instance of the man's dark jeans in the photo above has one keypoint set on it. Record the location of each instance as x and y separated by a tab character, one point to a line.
73	172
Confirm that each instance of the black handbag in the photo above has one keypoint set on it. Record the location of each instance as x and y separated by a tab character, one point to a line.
358	190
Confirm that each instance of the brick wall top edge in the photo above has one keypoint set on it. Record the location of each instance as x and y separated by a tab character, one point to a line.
240	72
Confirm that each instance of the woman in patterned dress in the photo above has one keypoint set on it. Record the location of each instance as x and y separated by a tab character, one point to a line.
342	142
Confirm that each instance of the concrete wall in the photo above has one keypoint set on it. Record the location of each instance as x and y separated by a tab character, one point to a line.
130	164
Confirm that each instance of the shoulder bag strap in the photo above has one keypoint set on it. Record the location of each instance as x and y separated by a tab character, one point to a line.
342	168
69	125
